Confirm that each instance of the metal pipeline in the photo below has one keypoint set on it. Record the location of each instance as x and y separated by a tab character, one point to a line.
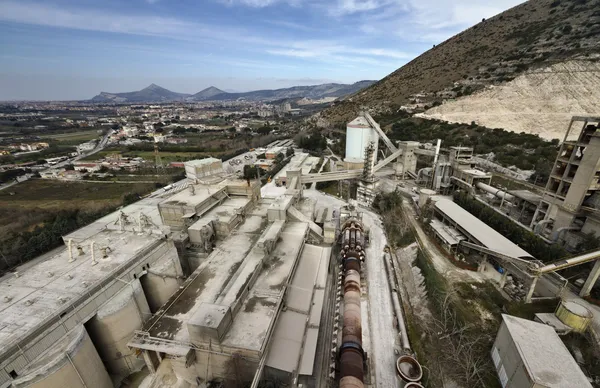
556	235
494	191
352	356
387	257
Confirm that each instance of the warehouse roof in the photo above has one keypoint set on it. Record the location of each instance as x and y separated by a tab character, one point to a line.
545	356
479	230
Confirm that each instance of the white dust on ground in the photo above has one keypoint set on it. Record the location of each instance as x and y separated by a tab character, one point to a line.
381	329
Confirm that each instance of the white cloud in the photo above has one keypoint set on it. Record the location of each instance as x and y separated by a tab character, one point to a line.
430	20
259	3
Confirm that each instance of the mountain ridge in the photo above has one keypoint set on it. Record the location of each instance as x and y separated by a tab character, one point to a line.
528	37
155	93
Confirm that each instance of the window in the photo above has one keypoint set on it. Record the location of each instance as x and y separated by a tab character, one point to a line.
134	276
13	374
503	377
496	357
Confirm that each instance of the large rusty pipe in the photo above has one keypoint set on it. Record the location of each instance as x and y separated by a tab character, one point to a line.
351	353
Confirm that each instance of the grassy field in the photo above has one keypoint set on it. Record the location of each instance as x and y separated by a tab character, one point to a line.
74	137
58	195
149	156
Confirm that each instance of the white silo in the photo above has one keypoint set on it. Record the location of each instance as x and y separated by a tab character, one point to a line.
359	134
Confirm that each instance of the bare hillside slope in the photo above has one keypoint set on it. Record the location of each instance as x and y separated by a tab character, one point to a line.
541	102
532	35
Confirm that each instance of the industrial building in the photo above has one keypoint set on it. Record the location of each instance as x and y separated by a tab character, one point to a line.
208	281
530	354
569	205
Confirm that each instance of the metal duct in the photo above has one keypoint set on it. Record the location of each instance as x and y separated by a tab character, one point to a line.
494	191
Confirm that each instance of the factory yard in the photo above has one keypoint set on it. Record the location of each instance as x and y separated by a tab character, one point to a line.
219	281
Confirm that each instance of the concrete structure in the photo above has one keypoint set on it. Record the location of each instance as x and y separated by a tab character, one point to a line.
93	282
73	362
227	322
570	202
530	354
198	169
186	207
407	163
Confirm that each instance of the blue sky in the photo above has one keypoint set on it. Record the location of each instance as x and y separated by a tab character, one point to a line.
73	49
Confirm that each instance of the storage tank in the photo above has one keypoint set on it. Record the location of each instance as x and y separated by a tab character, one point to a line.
574	315
114	325
424	195
359	134
73	362
162	280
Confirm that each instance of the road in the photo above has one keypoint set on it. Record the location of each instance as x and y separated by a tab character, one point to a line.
99	147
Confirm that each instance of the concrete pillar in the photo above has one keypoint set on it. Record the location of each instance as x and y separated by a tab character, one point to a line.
531	289
148	361
591	280
481	267
503	279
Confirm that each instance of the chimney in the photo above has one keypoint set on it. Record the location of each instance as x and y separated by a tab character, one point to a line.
94	262
70	249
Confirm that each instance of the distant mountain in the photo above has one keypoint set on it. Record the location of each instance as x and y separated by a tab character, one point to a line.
152	93
207	93
155	93
313	92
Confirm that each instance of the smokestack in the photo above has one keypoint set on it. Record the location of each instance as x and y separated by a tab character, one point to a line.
70	249
94	262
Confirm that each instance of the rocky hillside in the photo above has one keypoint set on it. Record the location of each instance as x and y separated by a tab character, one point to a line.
540	102
531	36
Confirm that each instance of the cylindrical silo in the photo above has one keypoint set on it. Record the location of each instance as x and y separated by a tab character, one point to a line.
574	315
73	363
162	280
424	195
114	325
359	134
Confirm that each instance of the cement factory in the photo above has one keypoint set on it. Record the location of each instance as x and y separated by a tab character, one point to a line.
216	281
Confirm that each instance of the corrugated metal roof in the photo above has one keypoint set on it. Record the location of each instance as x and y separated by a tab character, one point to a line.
546	358
451	237
479	230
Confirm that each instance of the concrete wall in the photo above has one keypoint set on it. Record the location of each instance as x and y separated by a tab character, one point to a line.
162	280
213	366
114	325
78	366
511	360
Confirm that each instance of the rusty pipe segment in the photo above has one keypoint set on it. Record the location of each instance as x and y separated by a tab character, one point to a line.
351	355
409	369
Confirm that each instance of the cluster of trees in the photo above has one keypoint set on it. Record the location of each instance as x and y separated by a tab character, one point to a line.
525	151
315	141
395	222
523	238
21	247
10	175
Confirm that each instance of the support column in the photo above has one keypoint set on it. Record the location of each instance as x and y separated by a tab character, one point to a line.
148	360
531	289
503	279
481	267
591	280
